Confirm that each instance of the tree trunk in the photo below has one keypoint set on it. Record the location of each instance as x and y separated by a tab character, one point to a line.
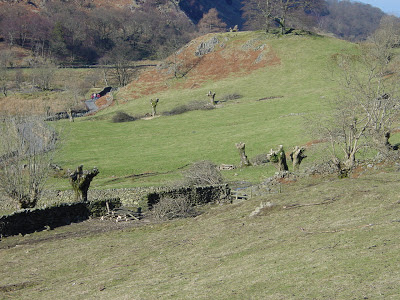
28	201
71	117
297	156
211	95
244	161
80	181
154	106
279	158
346	166
387	144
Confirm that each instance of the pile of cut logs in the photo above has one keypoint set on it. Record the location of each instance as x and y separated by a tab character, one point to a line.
122	214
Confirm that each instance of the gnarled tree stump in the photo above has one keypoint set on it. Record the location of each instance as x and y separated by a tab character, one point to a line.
211	95
297	155
244	161
154	103
80	181
278	157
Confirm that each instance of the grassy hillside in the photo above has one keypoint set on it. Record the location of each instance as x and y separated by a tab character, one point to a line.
321	239
292	77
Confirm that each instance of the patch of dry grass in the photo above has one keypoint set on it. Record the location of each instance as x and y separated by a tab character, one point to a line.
347	248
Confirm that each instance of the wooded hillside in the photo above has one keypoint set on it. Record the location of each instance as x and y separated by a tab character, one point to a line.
98	31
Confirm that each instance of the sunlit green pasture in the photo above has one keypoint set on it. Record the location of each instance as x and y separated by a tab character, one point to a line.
299	86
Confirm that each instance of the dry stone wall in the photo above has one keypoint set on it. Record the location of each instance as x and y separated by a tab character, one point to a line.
128	196
65	211
31	220
142	197
197	195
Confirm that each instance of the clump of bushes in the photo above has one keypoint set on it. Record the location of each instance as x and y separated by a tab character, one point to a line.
121	117
191	106
203	173
259	159
230	97
170	208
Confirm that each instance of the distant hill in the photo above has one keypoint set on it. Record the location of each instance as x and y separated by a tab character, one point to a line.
89	32
345	19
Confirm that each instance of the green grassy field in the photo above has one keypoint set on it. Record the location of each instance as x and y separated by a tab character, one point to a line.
302	84
339	242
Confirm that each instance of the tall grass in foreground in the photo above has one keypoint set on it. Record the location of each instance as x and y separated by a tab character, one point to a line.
331	238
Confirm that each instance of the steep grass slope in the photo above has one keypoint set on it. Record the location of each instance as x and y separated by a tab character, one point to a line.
281	81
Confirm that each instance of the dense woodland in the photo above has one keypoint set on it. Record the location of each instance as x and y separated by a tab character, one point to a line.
79	32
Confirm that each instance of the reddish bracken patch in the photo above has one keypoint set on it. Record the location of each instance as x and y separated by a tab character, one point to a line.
224	59
102	101
314	142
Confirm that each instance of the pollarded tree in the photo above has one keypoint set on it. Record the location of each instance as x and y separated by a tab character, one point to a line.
27	147
278	157
297	156
244	161
80	180
153	103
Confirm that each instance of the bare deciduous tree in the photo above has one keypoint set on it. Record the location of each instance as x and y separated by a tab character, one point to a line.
268	13
43	75
210	22
120	64
368	102
259	14
27	147
75	95
4	81
6	60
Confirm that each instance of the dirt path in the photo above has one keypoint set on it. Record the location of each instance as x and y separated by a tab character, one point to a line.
91	105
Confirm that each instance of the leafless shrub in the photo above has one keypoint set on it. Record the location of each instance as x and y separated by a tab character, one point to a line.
171	208
229	97
259	159
43	75
191	106
120	117
27	146
203	173
199	105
